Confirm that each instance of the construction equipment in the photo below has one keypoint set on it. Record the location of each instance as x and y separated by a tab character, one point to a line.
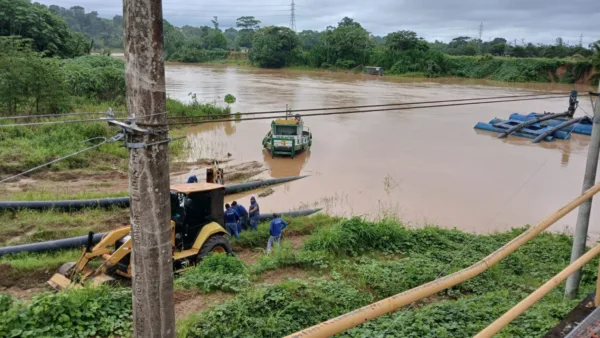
196	230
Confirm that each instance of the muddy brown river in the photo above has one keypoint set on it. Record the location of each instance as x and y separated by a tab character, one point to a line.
427	166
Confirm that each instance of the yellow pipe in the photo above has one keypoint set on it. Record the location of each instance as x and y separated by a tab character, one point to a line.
528	302
359	316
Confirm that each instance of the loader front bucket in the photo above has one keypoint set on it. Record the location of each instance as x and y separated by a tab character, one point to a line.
59	282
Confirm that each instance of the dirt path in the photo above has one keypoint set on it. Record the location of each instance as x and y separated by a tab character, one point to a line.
188	302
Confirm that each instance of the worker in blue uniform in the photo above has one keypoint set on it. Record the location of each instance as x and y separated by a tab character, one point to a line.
243	216
231	221
277	226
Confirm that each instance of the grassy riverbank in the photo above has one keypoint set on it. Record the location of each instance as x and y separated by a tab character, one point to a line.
326	267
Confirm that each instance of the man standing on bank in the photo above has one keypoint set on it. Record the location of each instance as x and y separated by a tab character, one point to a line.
277	226
254	214
243	216
231	221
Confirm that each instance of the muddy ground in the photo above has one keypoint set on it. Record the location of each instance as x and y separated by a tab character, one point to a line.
81	182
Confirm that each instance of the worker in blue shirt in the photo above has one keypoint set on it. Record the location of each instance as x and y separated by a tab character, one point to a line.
277	226
243	216
231	221
254	214
192	179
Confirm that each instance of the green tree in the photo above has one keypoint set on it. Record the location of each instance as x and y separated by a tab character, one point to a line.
274	47
247	25
28	81
401	40
348	44
309	39
49	33
498	49
173	39
231	35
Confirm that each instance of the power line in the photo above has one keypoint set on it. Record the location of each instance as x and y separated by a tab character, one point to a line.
215	117
338	113
543	95
53	115
115	138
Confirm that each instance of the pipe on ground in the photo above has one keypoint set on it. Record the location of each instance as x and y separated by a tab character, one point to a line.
123	202
80	241
393	303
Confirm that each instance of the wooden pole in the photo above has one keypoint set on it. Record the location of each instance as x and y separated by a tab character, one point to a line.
152	284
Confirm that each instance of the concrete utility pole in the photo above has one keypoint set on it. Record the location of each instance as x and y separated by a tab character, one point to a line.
585	209
152	284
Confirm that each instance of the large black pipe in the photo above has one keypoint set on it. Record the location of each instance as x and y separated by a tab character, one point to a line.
530	122
81	241
123	202
558	127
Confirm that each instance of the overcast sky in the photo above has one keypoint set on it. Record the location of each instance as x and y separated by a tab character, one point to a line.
532	20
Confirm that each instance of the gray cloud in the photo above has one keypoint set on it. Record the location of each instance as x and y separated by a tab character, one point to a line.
532	20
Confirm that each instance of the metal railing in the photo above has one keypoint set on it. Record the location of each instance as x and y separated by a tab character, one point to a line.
387	305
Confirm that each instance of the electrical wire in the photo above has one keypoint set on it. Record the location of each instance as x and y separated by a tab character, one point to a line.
374	105
189	119
115	138
337	113
54	115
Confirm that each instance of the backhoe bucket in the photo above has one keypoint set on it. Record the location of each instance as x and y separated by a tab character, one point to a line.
59	282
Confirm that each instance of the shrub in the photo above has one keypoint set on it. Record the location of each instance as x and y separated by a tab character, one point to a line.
275	311
97	77
286	256
87	312
216	272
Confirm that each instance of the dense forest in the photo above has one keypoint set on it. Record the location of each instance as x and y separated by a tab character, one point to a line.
347	45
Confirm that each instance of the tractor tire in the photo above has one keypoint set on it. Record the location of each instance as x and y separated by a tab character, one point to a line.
216	243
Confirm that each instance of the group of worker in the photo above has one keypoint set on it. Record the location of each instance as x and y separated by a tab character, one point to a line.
237	219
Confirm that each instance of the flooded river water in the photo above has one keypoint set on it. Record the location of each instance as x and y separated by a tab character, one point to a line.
428	166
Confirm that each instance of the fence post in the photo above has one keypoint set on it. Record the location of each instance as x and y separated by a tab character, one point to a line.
585	209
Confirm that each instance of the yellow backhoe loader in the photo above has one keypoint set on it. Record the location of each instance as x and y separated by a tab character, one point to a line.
196	230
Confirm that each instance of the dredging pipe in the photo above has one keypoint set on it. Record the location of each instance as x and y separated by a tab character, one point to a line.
558	127
81	241
123	202
530	122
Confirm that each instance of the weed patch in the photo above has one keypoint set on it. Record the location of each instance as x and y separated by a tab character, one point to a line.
87	312
217	272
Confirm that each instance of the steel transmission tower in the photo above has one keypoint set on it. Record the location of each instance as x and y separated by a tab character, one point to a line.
293	16
480	34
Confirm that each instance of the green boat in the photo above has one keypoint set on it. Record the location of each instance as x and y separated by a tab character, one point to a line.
287	137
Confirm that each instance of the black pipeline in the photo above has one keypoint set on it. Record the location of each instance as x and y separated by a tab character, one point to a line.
123	202
81	241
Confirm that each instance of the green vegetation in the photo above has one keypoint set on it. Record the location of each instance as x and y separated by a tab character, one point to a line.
359	262
274	47
104	33
97	312
33	261
48	33
217	272
28	226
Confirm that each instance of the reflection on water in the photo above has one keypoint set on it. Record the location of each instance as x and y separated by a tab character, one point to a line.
577	144
446	173
285	166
